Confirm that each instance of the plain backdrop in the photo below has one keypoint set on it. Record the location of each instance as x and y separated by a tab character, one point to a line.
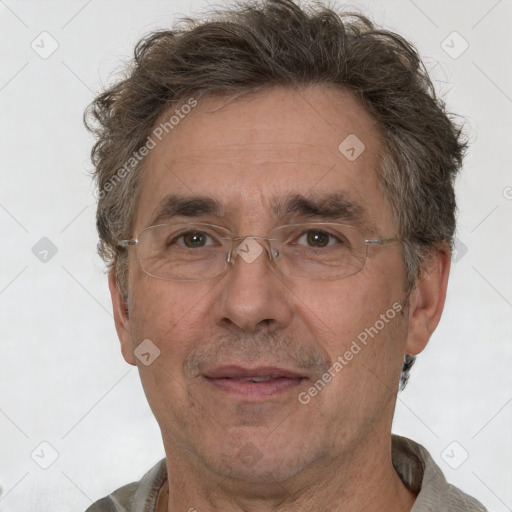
70	403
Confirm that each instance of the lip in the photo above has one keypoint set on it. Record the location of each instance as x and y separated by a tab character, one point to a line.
243	372
234	380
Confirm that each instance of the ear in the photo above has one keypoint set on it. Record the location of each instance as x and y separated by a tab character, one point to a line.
121	319
427	300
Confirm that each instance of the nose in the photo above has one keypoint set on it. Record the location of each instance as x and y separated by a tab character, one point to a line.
253	292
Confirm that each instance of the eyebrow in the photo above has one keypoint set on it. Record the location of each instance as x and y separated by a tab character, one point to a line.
334	206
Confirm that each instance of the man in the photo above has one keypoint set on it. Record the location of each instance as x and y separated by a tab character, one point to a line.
276	208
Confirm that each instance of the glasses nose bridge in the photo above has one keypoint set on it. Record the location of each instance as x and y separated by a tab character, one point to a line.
266	242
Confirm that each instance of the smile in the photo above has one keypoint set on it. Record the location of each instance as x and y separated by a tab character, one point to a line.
255	384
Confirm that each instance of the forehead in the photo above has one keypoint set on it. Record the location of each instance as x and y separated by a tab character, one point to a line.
251	153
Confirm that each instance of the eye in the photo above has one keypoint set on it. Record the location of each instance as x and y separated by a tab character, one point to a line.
192	239
318	238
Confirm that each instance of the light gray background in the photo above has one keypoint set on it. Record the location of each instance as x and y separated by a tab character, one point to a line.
64	381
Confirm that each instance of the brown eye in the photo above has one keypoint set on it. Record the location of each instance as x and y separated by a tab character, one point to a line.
190	240
318	238
194	239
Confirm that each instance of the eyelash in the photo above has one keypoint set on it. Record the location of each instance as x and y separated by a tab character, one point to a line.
305	233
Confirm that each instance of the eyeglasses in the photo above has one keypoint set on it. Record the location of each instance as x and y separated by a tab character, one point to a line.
196	251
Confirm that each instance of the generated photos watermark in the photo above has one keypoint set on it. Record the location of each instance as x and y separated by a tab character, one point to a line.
137	156
356	346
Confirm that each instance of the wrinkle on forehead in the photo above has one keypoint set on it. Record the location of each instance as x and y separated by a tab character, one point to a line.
317	108
278	143
257	153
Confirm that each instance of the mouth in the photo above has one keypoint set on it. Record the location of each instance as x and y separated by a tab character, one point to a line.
254	384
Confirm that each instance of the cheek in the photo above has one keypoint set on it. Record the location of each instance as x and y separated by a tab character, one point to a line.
341	311
166	314
169	314
360	323
366	354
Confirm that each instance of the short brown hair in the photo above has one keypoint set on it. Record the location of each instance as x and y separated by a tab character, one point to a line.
253	46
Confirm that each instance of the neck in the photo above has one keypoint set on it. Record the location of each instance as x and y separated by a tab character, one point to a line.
362	479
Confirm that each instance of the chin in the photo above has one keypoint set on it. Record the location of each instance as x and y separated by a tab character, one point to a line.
258	462
263	472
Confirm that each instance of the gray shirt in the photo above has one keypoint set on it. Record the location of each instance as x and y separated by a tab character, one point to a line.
412	462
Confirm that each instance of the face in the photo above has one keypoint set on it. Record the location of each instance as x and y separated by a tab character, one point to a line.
214	335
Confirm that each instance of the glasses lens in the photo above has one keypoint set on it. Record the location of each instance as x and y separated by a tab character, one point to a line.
320	251
182	251
194	252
